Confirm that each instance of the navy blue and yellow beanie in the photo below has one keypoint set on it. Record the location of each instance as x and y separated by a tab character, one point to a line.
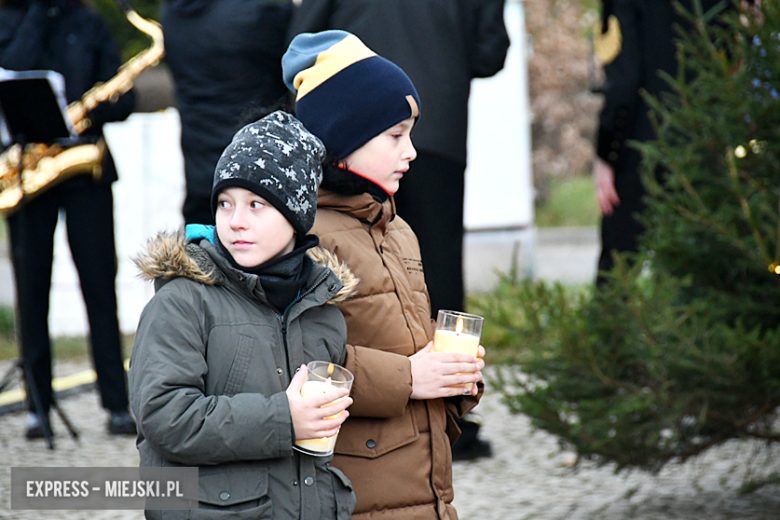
344	93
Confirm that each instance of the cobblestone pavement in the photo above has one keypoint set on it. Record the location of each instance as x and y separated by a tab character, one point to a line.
527	478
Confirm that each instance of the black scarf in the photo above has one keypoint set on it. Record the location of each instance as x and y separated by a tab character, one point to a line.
343	181
281	277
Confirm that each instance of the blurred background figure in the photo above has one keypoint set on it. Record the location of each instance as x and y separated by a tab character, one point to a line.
67	37
442	46
225	58
648	47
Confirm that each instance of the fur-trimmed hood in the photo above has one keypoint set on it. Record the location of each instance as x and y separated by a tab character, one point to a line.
168	255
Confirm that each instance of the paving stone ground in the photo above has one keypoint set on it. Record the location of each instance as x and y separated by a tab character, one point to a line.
527	478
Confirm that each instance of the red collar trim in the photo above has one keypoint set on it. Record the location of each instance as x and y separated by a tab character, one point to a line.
372	181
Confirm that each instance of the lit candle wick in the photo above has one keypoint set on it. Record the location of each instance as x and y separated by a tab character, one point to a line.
459	326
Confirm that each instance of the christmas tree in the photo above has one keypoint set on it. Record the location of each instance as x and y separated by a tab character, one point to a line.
681	350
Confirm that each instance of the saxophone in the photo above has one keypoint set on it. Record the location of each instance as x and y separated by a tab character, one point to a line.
43	166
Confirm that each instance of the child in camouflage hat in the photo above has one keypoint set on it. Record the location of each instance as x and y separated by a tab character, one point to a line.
221	349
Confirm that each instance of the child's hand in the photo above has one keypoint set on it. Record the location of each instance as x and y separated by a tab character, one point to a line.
311	418
481	357
435	373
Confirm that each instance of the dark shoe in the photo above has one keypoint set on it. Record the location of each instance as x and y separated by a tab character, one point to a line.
473	450
121	423
469	446
35	427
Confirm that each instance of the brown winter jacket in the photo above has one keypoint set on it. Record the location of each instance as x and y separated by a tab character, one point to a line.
395	450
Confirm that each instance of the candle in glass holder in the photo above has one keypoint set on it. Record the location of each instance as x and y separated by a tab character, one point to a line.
457	332
321	377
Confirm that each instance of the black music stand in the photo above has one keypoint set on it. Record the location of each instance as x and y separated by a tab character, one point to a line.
32	110
33	106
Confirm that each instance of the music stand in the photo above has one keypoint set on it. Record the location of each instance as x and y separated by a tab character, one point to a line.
33	110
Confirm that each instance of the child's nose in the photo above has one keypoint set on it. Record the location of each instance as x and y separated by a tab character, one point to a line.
411	152
238	219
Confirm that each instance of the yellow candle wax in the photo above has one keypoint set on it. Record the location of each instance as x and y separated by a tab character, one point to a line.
451	341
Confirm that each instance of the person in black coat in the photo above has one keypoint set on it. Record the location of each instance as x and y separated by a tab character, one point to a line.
649	33
442	46
225	57
65	36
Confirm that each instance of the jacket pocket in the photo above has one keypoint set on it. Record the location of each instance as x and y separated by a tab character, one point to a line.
372	437
233	491
239	367
345	496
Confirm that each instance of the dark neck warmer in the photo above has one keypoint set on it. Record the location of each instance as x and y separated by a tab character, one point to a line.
343	181
281	277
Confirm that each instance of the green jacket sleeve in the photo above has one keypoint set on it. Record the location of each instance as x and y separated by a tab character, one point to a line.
167	377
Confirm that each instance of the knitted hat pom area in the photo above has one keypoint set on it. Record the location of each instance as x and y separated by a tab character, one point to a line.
345	93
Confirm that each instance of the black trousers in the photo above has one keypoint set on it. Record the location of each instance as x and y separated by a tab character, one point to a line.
430	199
88	210
621	231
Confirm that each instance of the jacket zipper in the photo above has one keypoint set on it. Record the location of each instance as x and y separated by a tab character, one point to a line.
283	321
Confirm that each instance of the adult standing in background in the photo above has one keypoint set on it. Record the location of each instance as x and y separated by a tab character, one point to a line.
67	37
442	46
648	47
225	57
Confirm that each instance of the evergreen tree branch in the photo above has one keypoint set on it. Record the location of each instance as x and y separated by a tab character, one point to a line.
732	169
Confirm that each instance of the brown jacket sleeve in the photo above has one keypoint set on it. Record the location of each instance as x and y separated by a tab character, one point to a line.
383	382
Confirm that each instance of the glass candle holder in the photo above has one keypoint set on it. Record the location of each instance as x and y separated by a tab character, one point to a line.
458	332
322	376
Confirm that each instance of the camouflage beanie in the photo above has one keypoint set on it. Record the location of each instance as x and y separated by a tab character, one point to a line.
279	160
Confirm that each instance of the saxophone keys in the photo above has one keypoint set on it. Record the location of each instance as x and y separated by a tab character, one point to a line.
43	173
10	198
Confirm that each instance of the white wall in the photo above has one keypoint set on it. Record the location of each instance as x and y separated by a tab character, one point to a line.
499	182
147	199
499	205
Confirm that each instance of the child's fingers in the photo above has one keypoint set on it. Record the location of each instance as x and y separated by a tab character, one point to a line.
333	408
481	352
298	379
334	394
461	378
329	425
448	369
454	357
333	421
329	432
457	390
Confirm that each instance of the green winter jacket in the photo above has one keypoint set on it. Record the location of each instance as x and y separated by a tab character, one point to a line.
210	364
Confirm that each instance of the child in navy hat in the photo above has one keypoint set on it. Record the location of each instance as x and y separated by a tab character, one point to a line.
220	352
396	445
